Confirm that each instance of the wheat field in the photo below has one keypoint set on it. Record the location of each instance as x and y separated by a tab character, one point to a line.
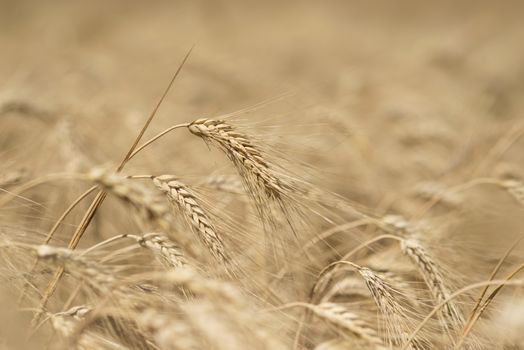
268	175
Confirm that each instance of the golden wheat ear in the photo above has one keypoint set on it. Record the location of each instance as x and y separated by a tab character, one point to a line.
181	197
249	160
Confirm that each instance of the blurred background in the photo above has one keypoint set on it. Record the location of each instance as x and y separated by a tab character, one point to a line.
377	95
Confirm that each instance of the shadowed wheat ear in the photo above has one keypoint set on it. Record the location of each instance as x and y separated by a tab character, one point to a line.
182	197
249	160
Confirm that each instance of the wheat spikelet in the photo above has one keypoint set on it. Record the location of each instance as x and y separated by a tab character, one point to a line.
180	196
163	248
340	316
247	158
434	280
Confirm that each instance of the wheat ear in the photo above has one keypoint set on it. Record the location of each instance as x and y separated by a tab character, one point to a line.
247	158
434	280
182	197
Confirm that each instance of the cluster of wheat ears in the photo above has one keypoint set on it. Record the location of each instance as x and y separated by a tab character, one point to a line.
187	274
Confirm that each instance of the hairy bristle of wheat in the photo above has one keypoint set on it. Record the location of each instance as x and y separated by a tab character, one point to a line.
182	197
247	158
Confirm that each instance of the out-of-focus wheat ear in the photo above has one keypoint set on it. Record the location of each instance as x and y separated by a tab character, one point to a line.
94	328
345	344
68	148
225	183
515	188
182	198
434	280
77	265
260	180
152	208
340	316
167	252
11	178
65	322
